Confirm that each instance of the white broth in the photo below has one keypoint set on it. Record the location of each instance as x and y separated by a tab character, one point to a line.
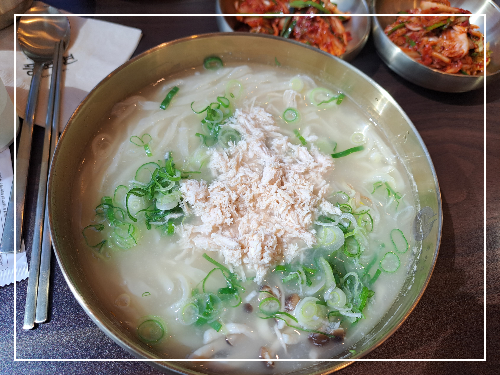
283	228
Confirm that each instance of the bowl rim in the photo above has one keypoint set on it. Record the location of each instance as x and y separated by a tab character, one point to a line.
138	351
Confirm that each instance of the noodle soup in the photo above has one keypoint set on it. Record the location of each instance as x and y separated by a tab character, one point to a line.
244	212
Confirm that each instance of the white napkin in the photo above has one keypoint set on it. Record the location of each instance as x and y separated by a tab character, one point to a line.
96	49
7	260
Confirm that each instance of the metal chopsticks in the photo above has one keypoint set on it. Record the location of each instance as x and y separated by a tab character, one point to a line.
38	281
42	303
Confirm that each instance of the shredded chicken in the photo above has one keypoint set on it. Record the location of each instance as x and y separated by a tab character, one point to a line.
266	194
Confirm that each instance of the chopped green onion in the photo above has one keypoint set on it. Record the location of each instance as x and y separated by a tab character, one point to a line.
150	331
234	88
98	228
141	143
338	99
216	325
289	29
228	135
166	102
305	4
309	313
189	313
390	262
301	138
410	41
397	27
351	247
276	62
399	241
331	237
213	63
327	271
375	276
290	115
145	172
223	101
335	298
438	24
269	306
146	294
123	235
348	151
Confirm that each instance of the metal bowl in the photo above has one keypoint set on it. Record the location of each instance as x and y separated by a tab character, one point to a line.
179	56
358	26
422	75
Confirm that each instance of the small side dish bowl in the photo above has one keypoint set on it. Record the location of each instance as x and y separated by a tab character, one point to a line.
358	26
422	75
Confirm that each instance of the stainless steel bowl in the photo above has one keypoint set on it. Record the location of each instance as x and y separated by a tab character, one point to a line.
422	75
358	26
180	55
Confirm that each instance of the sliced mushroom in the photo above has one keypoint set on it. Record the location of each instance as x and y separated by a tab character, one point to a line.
231	339
319	339
248	308
291	301
339	333
207	351
265	354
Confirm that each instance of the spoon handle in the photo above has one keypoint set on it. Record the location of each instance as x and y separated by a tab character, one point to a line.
24	150
22	165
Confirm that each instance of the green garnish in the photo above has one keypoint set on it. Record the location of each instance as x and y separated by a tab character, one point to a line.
289	29
305	4
338	99
269	306
399	241
276	62
348	151
166	102
397	27
301	138
390	262
390	191
98	228
228	135
438	24
139	141
213	63
150	331
290	115
146	294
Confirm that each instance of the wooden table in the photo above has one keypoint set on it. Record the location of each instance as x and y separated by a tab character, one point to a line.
447	323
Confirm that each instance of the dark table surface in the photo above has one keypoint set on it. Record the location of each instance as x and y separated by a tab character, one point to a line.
449	321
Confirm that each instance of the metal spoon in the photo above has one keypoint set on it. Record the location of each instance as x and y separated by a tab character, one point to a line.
38	37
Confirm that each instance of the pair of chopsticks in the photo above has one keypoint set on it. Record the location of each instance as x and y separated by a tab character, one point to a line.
37	298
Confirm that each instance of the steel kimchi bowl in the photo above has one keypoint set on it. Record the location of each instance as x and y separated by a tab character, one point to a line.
243	48
358	27
427	77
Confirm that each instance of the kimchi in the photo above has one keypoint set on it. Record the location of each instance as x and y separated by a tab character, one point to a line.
447	42
318	23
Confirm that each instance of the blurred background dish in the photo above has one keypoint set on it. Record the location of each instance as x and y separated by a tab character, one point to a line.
10	7
424	76
358	26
